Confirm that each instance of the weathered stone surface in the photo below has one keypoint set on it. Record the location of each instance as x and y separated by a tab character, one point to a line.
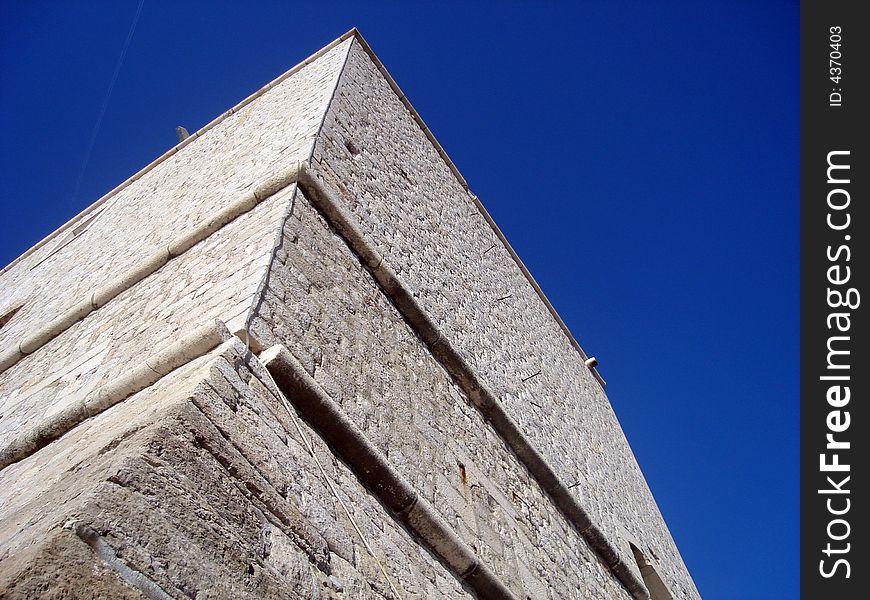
204	485
203	500
431	234
243	149
62	566
322	302
216	279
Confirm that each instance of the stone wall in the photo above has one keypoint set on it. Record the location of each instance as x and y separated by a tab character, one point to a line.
427	227
166	200
323	305
216	279
202	487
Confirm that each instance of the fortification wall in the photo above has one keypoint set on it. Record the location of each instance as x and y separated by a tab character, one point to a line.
185	188
202	487
322	304
417	214
216	279
202	484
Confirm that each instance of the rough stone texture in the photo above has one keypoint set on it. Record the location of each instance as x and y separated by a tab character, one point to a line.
217	278
36	493
430	232
320	301
243	149
202	485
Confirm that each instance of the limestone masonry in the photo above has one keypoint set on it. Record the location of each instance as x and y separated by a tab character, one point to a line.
271	365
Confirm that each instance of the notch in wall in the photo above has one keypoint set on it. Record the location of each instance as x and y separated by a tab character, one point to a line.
7	314
463	478
352	148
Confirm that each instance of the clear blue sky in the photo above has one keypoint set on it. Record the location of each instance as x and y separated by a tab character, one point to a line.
642	158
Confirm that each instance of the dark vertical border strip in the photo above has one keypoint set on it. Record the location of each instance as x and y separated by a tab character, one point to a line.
834	230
